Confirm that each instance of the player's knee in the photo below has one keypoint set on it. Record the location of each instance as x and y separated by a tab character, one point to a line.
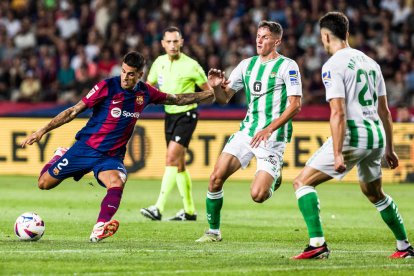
43	184
119	181
172	160
216	182
374	197
297	183
259	196
374	194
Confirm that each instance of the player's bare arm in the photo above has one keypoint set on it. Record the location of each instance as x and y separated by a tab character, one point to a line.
385	116
62	118
205	86
189	98
338	125
295	104
216	80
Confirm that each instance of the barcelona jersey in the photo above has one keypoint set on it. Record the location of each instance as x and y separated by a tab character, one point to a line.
115	112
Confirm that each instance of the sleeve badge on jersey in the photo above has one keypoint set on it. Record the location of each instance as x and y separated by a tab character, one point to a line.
294	77
140	100
92	91
326	78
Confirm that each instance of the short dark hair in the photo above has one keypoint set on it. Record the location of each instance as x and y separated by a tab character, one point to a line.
336	22
171	29
134	59
274	27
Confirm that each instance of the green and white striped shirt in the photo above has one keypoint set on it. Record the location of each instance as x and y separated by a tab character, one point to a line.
268	86
352	75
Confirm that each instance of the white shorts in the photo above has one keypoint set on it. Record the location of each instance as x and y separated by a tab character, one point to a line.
269	157
368	161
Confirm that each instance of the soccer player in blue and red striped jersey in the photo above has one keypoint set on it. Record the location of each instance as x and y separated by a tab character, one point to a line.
117	103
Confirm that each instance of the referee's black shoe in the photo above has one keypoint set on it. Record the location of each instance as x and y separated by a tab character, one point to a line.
182	215
151	212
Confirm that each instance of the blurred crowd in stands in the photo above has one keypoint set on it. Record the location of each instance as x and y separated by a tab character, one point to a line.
55	50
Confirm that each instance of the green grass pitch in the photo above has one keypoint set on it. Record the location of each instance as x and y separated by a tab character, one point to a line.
258	239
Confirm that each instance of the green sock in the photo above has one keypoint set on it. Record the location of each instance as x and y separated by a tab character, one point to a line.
275	185
214	202
277	181
184	187
167	184
309	206
389	213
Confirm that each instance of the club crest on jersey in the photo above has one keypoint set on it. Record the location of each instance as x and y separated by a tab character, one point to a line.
326	78
272	75
140	100
56	171
294	77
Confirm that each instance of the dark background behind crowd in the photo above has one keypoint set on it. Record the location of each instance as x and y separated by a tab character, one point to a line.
55	50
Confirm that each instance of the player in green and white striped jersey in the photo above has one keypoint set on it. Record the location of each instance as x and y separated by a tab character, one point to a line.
273	90
361	127
267	84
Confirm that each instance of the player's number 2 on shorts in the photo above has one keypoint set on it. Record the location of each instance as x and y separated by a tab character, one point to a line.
372	98
64	163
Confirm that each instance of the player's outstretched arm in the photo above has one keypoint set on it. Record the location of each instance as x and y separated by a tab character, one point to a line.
189	98
385	116
62	118
222	92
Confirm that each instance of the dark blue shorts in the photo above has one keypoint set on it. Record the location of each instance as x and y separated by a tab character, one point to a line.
81	159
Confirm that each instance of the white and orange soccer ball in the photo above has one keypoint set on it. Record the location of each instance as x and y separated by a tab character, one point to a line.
29	227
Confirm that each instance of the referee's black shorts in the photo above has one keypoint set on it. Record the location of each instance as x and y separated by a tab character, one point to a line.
180	127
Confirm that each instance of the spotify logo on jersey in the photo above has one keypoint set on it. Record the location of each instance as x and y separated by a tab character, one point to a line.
116	112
